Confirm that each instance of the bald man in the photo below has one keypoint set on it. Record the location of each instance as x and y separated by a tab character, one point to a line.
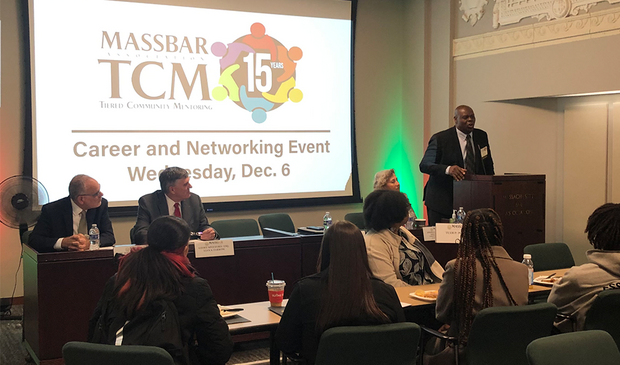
60	225
450	155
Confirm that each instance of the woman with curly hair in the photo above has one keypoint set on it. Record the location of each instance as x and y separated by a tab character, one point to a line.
387	180
483	275
395	255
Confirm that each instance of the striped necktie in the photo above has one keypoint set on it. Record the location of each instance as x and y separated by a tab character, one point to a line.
470	163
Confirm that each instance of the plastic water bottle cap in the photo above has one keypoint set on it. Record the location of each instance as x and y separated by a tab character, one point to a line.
527	256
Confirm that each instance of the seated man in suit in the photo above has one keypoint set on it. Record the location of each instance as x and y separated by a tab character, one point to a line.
64	224
174	198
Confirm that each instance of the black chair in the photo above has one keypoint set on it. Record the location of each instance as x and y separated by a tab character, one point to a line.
236	228
279	221
500	335
84	353
574	348
26	236
394	344
550	256
604	314
357	219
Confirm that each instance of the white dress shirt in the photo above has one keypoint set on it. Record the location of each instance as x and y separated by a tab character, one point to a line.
463	142
171	203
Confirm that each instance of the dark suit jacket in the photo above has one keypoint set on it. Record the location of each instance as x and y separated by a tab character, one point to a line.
154	205
444	150
56	221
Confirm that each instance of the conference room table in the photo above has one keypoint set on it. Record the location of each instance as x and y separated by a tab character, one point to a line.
61	289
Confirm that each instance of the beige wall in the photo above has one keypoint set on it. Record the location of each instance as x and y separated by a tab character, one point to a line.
531	130
11	137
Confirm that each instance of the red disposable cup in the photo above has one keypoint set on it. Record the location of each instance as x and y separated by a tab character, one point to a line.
275	288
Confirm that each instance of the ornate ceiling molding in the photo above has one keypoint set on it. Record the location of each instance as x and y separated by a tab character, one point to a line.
473	10
588	25
513	11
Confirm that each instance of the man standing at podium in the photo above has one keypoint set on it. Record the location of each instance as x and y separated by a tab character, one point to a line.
450	155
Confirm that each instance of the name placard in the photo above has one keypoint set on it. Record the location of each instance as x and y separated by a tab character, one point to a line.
214	248
429	233
124	249
448	232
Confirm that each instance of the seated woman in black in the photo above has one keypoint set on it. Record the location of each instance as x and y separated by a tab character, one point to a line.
343	293
159	282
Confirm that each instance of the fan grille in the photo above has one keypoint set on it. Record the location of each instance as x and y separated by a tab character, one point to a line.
21	199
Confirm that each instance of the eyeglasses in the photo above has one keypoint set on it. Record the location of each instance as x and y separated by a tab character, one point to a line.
93	195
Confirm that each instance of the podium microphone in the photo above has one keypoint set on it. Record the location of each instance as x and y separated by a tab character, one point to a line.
482	160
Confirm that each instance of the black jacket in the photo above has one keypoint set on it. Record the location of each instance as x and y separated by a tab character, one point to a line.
296	331
444	150
202	327
56	221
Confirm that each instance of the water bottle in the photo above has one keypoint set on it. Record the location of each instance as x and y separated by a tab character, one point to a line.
93	234
409	225
460	215
327	221
527	261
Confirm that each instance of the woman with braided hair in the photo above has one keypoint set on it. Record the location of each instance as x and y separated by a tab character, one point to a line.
483	275
575	292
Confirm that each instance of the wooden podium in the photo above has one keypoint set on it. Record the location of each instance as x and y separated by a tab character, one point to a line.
519	199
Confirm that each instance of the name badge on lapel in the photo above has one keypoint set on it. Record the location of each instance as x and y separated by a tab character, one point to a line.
484	151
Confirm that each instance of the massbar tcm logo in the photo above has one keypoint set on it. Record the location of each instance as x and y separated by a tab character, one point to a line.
257	72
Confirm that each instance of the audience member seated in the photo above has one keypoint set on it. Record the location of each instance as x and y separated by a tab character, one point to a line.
482	275
575	292
174	199
387	180
343	293
160	276
64	224
394	254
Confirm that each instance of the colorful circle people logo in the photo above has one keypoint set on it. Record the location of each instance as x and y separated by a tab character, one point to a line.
257	72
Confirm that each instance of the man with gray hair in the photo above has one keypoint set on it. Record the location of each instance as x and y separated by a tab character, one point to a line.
64	224
174	198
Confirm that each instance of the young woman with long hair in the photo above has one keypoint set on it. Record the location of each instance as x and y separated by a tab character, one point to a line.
482	275
161	273
342	293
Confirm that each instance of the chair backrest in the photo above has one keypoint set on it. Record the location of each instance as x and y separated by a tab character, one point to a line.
357	219
236	227
604	314
394	344
574	348
280	221
84	353
550	256
500	335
